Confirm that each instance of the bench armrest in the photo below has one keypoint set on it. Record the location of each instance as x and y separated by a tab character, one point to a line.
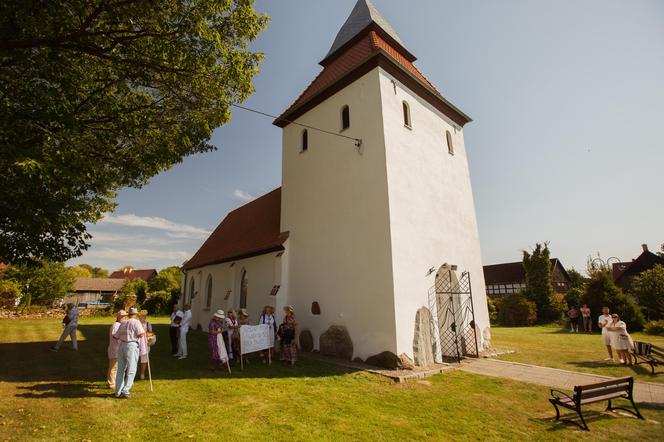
556	395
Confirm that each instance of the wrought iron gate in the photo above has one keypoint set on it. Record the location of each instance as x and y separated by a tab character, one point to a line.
451	302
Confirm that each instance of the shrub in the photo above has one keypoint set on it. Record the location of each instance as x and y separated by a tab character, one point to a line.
516	310
10	293
601	292
648	288
160	302
573	297
655	328
493	312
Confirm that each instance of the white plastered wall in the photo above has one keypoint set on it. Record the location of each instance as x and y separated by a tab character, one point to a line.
432	213
263	272
335	207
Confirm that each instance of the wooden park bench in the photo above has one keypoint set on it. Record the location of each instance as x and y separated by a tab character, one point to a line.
645	353
589	394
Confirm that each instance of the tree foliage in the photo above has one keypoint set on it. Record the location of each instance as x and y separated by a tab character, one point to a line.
95	272
539	286
42	282
648	288
602	292
516	310
10	292
99	95
168	279
80	272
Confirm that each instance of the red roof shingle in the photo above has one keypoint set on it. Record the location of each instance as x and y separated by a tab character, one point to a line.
251	230
131	274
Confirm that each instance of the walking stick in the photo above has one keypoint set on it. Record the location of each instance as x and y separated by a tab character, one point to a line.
150	372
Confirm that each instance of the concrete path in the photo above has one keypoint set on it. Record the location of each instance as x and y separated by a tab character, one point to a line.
555	378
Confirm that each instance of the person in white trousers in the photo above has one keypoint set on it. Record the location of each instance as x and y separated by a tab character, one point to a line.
71	324
184	329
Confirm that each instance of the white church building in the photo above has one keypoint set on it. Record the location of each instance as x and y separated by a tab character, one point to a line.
374	228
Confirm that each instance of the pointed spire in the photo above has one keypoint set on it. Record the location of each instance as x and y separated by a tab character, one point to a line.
364	13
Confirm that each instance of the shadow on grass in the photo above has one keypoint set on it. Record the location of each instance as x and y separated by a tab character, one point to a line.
64	390
33	362
591	416
641	370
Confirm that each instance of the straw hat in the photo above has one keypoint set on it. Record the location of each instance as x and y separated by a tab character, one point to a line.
220	314
143	312
133	311
269	307
121	313
243	312
289	308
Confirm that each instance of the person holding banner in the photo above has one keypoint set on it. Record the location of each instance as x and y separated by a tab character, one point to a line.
233	334
288	336
216	327
267	317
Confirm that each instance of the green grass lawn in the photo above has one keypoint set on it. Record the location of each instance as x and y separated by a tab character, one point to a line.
63	396
553	346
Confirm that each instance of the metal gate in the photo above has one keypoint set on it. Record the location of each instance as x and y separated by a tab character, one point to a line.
451	302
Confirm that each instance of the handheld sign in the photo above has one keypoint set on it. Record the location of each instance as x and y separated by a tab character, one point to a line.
255	338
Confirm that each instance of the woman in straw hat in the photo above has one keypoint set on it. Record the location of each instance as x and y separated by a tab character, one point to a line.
143	347
288	336
216	326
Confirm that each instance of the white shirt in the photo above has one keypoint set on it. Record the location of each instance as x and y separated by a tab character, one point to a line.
604	319
73	317
113	344
177	314
186	320
130	330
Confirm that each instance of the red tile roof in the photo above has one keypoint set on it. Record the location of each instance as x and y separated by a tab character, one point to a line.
364	48
131	274
251	230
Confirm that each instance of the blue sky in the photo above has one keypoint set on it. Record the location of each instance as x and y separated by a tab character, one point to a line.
567	99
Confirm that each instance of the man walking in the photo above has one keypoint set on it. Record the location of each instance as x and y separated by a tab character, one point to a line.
176	319
184	329
114	348
71	323
573	315
128	334
587	321
603	322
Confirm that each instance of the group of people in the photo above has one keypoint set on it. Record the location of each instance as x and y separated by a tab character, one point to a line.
585	314
227	325
615	336
130	339
614	331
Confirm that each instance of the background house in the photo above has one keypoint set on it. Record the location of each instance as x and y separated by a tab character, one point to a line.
95	290
624	272
131	274
510	277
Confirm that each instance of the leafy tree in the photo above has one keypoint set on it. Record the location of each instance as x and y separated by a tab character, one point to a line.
168	279
516	310
41	282
10	292
648	288
80	272
539	287
602	292
577	288
133	294
96	272
100	95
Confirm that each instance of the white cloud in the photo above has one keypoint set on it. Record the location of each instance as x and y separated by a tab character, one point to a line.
138	257
242	195
131	220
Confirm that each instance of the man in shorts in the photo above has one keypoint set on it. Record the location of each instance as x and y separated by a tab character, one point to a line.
603	322
587	320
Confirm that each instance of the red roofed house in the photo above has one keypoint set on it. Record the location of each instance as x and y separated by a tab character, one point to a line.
375	192
624	272
131	274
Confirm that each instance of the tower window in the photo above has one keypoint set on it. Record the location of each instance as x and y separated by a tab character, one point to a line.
406	115
305	141
345	118
450	145
208	293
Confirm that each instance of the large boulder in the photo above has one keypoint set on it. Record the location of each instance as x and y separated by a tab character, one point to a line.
306	341
336	342
386	359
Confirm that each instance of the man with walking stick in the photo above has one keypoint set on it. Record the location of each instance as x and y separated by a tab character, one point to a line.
129	333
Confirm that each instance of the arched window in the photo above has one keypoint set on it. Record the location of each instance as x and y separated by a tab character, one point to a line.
192	293
244	283
208	293
345	117
305	141
406	114
450	145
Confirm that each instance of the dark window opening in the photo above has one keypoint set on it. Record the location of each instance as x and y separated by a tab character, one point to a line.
406	114
315	308
244	283
450	145
305	141
345	118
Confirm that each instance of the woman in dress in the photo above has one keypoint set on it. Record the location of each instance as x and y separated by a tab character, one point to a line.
233	334
216	326
621	341
288	336
143	347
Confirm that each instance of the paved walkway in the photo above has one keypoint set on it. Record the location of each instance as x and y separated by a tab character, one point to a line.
553	377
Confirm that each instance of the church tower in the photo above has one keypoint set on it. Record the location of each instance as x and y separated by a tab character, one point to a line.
376	192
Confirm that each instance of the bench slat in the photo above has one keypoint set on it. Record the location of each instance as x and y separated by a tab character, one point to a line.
584	401
626	380
587	394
